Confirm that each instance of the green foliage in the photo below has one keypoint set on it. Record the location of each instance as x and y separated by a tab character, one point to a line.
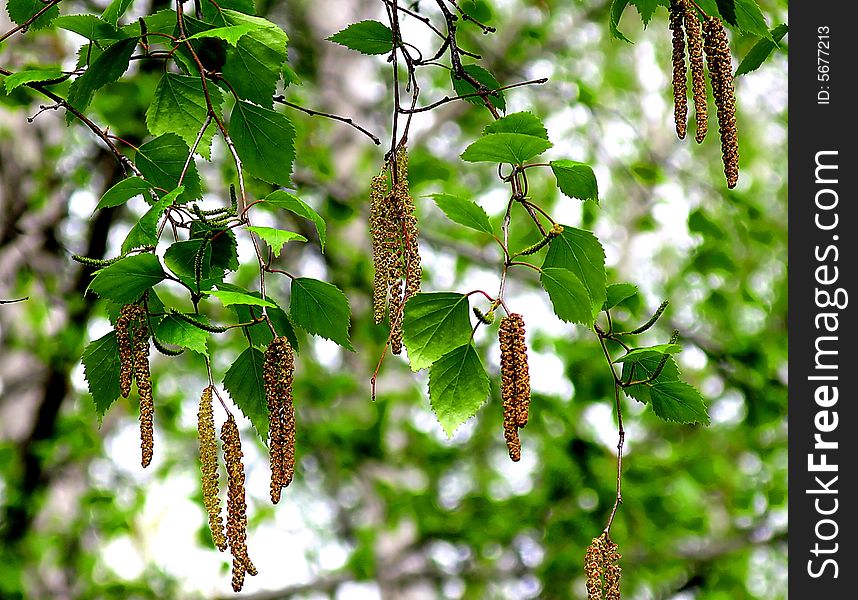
618	292
115	10
180	107
579	252
677	401
127	279
265	141
230	34
35	75
145	231
230	297
321	309
123	191
276	238
179	332
162	160
366	37
464	212
458	386
521	122
512	148
89	26
636	354
101	368
434	324
295	205
20	11
245	385
576	179
764	47
463	87
568	295
106	68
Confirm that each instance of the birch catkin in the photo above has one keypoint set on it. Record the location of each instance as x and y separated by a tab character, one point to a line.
721	76
236	507
127	314
680	93
140	346
277	373
694	34
515	381
601	566
208	468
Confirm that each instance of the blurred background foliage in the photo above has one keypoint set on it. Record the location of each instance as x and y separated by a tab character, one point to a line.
384	506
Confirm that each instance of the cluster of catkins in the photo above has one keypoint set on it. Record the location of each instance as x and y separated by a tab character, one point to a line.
395	252
711	40
602	569
132	338
515	381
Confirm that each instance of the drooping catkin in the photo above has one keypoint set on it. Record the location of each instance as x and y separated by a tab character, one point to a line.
515	381
721	76
208	468
396	254
612	570
140	347
277	373
694	35
236	507
602	569
593	560
680	93
127	314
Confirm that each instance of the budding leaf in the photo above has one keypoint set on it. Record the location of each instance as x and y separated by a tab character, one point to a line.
576	179
617	292
520	122
276	238
677	401
581	253
123	191
464	212
637	354
101	370
512	148
265	142
433	324
293	204
366	37
568	295
321	309
245	385
458	386
177	332
127	279
462	86
179	106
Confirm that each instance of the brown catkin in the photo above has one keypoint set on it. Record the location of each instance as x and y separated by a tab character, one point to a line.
236	508
127	314
140	347
208	468
277	373
721	76
396	253
680	92
694	35
593	561
515	381
602	569
612	570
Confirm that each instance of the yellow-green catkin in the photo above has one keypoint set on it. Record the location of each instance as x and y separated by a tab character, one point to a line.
140	347
601	566
128	315
694	35
277	373
396	254
208	468
236	507
593	564
680	92
515	381
720	66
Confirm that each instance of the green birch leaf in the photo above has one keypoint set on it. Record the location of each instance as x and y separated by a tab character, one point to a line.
434	324
617	292
617	8
520	122
458	386
285	200
223	243
646	8
127	279
259	334
228	298
462	87
679	402
101	370
366	37
568	295
264	140
750	18
181	257
115	10
123	191
581	253
464	212
276	238
20	11
32	76
636	354
179	106
757	55
643	369
245	385
161	161
211	11
322	309
512	148
576	179
230	34
178	332
145	231
106	68
89	26
254	66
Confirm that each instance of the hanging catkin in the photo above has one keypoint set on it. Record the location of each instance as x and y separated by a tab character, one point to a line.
140	346
515	381
277	374
721	76
236	508
694	34
208	468
612	570
396	255
680	93
123	341
593	562
602	569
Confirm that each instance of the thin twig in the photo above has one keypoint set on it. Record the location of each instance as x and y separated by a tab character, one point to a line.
316	113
